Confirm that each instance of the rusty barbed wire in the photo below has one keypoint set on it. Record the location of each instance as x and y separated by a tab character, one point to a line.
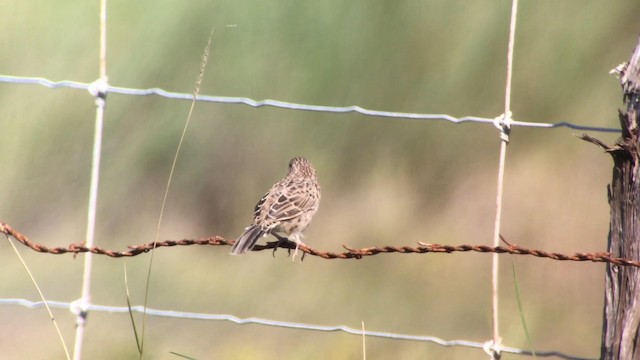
351	253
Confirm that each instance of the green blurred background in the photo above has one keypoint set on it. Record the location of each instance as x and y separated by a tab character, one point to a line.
384	181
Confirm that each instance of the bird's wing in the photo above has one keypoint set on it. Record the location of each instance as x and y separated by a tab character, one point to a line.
292	200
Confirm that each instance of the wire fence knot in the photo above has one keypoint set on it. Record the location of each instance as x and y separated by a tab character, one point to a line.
99	89
503	123
80	308
494	350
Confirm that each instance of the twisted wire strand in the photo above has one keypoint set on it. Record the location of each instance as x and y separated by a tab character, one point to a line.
351	253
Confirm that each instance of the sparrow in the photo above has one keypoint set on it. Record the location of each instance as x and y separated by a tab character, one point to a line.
285	210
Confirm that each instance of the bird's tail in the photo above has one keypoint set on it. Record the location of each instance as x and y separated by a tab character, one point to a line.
247	240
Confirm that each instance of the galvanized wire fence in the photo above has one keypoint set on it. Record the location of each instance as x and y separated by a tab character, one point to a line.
25	80
101	88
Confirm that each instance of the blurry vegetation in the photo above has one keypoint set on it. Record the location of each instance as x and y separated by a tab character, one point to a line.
385	182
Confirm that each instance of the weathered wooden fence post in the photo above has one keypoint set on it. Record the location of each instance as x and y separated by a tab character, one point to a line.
621	318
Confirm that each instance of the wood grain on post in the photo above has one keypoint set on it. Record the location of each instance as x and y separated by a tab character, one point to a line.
621	316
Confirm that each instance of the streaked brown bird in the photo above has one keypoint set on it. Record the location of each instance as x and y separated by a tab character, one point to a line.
286	210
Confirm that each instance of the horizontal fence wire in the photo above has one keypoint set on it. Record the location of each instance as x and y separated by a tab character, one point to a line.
292	106
285	324
351	253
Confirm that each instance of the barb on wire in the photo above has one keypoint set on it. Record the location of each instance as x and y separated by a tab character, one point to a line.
285	324
293	106
351	253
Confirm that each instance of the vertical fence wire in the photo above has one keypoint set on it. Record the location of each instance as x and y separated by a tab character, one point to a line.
99	91
505	128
